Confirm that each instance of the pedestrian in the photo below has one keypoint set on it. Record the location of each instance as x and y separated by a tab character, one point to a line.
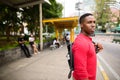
84	50
67	38
33	44
21	42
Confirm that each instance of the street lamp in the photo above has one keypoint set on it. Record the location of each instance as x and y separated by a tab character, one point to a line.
77	7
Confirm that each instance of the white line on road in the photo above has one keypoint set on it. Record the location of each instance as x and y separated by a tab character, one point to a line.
110	68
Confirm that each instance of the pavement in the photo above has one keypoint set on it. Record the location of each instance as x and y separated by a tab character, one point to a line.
47	65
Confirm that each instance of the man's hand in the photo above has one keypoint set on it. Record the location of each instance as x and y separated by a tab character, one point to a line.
98	47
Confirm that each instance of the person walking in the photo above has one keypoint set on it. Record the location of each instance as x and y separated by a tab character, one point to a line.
21	42
84	50
67	38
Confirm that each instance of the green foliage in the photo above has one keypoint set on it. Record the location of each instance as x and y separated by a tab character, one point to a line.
53	10
50	28
4	45
8	46
11	22
118	23
30	15
103	12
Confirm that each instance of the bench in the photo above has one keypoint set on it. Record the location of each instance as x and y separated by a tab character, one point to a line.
52	47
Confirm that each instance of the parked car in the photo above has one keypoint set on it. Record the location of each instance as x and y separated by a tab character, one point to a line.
116	29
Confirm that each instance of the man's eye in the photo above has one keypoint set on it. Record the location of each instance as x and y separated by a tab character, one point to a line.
90	22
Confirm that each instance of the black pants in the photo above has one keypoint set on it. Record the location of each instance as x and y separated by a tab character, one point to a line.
26	50
58	45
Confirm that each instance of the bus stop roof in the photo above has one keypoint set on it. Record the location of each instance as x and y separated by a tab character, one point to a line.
21	3
66	22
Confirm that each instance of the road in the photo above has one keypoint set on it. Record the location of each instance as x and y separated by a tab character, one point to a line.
109	58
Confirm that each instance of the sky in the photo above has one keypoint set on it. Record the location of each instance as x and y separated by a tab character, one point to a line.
69	7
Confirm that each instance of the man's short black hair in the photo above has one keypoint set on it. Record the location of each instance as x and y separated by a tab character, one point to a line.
83	17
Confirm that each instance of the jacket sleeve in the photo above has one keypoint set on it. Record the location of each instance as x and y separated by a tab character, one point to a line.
80	61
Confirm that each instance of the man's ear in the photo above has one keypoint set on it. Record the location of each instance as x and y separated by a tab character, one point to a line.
81	25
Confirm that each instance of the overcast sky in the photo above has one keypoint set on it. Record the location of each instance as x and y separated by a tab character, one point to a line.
69	7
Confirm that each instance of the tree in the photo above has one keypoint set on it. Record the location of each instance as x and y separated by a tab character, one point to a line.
11	22
30	15
8	20
52	10
103	12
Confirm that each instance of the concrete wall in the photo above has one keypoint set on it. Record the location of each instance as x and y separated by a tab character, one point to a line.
10	55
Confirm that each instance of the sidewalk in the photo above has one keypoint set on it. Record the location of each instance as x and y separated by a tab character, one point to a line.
47	65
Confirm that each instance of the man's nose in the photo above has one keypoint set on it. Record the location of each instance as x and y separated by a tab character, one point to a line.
93	26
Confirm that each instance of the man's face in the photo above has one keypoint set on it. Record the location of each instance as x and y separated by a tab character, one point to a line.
88	25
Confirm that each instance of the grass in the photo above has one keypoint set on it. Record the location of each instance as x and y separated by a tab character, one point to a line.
12	43
5	45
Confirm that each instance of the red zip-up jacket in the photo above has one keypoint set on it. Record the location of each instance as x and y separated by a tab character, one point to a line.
84	58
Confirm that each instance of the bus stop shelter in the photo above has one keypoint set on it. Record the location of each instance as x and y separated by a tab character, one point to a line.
63	23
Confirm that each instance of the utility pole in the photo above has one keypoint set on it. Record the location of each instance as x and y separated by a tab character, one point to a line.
77	7
64	8
119	13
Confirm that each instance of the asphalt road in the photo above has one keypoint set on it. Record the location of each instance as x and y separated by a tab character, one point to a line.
109	57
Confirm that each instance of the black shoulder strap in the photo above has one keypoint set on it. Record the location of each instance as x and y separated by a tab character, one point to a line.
70	73
71	61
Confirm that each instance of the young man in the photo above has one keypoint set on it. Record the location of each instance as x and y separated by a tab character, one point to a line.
21	42
84	50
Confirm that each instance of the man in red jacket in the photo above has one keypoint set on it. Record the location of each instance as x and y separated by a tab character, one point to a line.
84	50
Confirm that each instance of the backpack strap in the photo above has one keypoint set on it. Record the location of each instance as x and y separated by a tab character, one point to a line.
70	73
71	61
